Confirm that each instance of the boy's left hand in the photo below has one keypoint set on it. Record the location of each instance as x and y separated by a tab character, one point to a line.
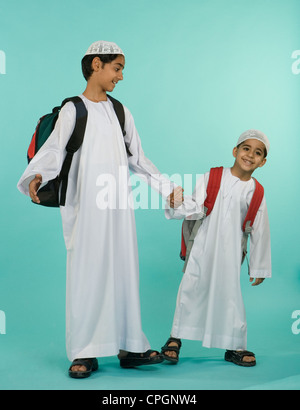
258	281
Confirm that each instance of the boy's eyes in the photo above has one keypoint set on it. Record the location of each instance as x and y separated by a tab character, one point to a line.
118	67
256	152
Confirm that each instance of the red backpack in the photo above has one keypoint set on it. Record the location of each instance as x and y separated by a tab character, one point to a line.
190	228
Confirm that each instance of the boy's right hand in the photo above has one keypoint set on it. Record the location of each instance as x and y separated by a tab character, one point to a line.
33	188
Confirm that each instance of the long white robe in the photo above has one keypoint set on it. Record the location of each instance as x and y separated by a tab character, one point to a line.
209	304
102	301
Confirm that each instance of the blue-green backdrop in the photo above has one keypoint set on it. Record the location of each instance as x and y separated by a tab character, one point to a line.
198	73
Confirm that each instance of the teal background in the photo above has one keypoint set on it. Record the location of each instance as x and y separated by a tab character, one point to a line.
198	73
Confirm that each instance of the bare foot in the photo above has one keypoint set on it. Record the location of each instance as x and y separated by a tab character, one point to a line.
78	368
240	357
171	349
248	359
123	353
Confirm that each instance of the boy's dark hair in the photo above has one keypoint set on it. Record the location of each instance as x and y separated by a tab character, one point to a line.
86	62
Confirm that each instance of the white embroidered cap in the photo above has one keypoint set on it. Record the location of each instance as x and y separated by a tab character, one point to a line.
103	47
256	135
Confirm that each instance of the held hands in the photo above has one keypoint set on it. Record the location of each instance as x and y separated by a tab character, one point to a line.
176	197
33	188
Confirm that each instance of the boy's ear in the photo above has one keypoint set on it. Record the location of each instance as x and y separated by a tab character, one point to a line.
234	152
96	63
263	162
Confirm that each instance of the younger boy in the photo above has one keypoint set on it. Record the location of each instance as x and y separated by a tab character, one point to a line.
209	303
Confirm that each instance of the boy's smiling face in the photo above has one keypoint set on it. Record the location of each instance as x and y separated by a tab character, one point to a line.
249	155
108	74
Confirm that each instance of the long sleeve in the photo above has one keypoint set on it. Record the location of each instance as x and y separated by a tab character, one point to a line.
49	158
260	245
193	206
140	164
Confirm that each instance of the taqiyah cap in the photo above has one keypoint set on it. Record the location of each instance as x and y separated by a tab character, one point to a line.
104	47
256	135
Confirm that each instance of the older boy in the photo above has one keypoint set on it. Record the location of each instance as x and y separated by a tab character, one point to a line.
209	303
103	306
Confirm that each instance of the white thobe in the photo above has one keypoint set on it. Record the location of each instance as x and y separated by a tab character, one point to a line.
102	301
209	304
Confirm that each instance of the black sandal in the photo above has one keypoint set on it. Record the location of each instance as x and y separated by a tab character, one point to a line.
139	359
90	364
167	348
236	357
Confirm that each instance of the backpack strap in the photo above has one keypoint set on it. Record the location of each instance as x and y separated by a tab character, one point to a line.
186	231
119	110
77	136
253	207
195	227
73	144
213	186
247	227
190	228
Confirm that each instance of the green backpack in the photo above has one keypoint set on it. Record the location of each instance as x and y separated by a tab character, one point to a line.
49	193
